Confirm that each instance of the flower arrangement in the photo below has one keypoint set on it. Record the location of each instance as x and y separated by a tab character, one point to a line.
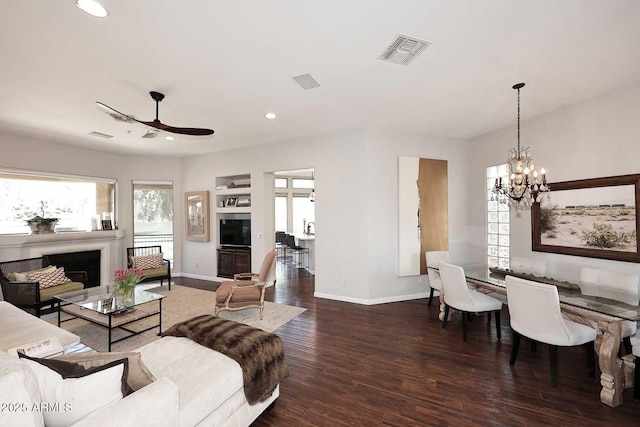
125	280
41	215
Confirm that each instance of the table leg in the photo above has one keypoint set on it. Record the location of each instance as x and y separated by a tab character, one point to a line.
612	378
110	329
160	320
59	312
441	299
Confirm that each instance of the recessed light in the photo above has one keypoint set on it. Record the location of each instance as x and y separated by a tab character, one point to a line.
169	138
93	8
270	116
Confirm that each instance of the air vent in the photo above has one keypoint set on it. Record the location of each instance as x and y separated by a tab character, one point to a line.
307	81
403	50
100	134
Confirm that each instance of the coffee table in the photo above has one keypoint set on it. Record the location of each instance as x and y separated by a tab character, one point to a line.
98	306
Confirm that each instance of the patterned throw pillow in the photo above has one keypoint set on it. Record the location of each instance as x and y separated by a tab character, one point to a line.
22	277
145	262
49	279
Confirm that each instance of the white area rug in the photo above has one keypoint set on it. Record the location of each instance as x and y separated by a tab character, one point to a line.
181	303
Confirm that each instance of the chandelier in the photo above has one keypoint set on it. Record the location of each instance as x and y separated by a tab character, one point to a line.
525	185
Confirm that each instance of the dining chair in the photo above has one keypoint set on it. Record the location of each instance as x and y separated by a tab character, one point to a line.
534	309
459	296
433	259
616	286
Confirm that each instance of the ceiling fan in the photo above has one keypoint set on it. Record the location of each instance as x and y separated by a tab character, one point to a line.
156	96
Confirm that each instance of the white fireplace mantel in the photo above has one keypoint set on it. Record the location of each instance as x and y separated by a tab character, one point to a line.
109	243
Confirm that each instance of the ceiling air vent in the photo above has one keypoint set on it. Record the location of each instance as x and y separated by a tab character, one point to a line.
403	50
100	134
307	81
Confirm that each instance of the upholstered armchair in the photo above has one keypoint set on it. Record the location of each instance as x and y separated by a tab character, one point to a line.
243	292
534	309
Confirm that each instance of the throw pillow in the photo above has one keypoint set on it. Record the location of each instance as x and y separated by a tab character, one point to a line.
69	392
49	279
137	377
145	262
22	277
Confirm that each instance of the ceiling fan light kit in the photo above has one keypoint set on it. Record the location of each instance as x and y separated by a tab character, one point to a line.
156	123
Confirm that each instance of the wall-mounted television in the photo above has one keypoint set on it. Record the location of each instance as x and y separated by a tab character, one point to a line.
235	232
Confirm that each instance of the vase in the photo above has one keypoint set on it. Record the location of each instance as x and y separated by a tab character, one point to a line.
42	227
125	298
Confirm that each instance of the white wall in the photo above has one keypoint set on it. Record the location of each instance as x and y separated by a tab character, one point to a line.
356	207
596	138
20	152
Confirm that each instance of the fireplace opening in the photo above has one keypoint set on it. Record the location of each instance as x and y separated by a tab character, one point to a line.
88	261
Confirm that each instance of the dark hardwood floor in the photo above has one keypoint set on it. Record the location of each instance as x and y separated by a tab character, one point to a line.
393	364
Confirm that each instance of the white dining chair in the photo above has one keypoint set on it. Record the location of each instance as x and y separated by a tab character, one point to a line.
616	286
534	309
433	259
457	295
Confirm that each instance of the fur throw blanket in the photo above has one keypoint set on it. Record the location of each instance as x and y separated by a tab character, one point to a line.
259	353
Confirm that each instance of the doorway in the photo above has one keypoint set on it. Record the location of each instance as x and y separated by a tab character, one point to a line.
294	204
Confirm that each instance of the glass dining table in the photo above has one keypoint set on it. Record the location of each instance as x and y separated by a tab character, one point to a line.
604	314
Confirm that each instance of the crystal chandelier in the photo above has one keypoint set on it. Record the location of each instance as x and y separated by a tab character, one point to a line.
525	186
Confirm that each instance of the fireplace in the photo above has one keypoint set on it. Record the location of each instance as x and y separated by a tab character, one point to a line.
88	261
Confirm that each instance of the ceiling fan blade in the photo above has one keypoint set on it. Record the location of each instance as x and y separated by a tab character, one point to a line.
115	113
183	131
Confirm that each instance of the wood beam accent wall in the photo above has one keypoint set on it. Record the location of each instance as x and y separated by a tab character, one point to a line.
434	213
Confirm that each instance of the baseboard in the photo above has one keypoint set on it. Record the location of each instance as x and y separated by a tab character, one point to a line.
396	298
198	276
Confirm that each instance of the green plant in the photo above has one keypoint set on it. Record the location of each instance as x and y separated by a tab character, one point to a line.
604	236
41	215
547	219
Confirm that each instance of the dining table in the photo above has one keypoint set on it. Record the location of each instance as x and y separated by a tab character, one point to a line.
603	314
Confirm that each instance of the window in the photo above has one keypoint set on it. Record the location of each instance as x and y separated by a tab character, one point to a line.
281	183
303	212
302	183
79	202
281	212
153	215
497	222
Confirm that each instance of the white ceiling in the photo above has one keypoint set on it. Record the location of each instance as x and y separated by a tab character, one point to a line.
223	65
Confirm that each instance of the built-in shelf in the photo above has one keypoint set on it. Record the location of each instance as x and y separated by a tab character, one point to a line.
232	191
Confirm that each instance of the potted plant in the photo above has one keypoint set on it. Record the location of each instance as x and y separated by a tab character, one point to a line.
40	221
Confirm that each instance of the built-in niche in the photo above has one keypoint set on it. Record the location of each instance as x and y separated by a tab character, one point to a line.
423	216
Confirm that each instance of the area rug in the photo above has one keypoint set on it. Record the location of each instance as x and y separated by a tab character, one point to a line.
181	303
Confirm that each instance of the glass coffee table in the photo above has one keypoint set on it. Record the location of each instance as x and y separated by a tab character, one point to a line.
98	306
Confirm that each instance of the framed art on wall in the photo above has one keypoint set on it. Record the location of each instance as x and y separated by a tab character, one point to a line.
197	216
594	217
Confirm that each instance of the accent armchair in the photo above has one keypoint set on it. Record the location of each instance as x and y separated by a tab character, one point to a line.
27	285
243	293
150	259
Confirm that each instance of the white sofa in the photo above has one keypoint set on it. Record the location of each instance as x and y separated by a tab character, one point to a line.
194	386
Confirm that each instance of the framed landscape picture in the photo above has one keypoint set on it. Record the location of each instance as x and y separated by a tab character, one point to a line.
595	218
197	215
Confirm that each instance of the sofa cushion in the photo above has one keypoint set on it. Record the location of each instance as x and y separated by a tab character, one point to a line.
48	293
18	390
76	391
47	279
22	277
206	378
137	377
145	262
155	272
